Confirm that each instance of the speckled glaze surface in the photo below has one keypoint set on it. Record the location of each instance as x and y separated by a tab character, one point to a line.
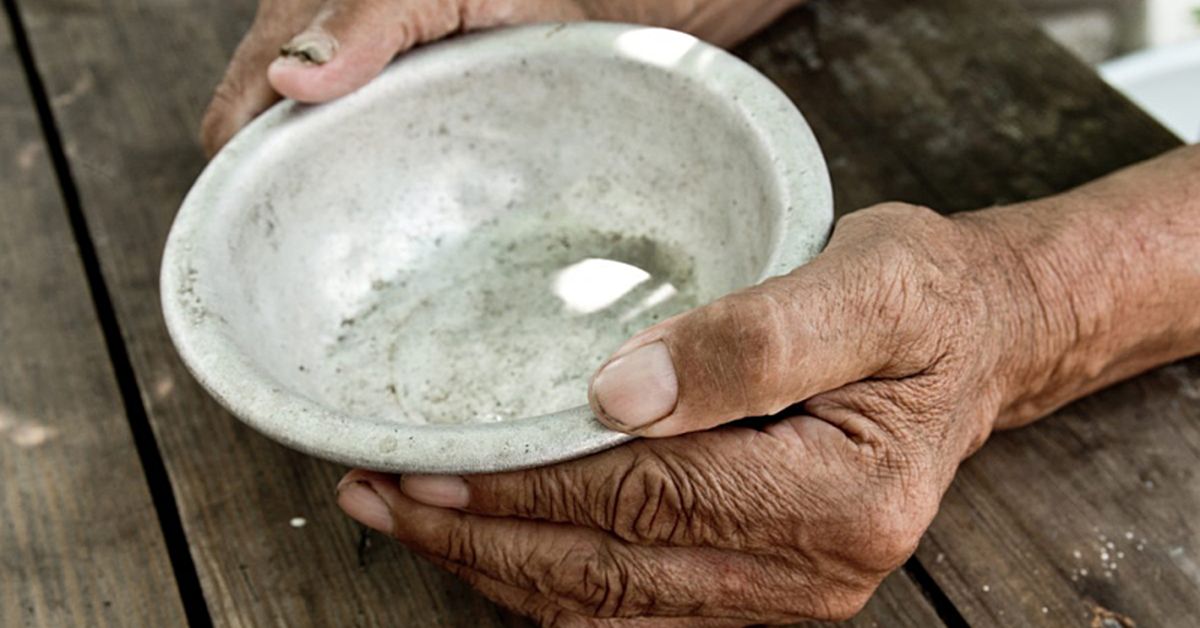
419	277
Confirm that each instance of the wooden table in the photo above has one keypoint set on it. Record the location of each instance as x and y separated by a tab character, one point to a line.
128	497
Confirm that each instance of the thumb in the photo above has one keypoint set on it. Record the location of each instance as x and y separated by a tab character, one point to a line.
244	92
349	42
753	353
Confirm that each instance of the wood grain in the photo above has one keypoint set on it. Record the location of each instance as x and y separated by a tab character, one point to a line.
953	104
128	81
130	78
73	551
961	105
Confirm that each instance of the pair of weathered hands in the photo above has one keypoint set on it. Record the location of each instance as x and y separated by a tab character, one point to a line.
906	343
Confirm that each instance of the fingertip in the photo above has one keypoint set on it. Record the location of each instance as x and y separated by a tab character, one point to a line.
636	390
360	498
354	475
290	77
300	72
308	82
334	56
442	491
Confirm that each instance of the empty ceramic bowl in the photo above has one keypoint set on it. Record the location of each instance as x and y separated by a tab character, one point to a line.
422	276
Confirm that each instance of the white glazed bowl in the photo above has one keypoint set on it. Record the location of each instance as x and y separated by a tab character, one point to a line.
419	277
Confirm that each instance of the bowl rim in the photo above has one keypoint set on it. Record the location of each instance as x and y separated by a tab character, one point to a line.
258	400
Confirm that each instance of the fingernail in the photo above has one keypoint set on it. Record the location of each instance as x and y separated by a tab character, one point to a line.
359	500
313	46
347	480
638	388
443	491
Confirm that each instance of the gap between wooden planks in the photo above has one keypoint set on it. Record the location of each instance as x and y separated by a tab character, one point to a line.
891	77
80	543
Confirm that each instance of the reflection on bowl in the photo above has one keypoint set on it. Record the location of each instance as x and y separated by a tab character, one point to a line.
401	278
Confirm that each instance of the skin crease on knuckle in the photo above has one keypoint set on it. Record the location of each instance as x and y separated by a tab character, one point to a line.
884	474
858	540
851	556
646	504
819	517
704	488
681	497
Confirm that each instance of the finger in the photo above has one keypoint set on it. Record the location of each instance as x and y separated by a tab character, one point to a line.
753	353
544	611
350	41
580	569
244	92
704	489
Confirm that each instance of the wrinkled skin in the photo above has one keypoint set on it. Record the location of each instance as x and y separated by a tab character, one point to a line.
906	342
355	39
886	361
800	520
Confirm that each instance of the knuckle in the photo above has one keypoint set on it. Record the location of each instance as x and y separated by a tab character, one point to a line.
832	596
873	220
593	581
613	588
682	498
646	502
845	606
550	616
745	337
895	230
909	265
546	494
604	585
459	547
908	211
894	214
894	529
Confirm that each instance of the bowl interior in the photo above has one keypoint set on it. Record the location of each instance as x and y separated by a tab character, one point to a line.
468	242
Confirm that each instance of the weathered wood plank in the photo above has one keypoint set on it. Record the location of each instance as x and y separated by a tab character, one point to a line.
964	104
79	539
132	77
128	80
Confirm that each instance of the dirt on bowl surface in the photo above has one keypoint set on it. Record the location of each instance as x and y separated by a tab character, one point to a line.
548	310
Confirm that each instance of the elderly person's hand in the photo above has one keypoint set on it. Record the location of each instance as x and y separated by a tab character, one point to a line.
884	362
318	50
895	339
906	343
